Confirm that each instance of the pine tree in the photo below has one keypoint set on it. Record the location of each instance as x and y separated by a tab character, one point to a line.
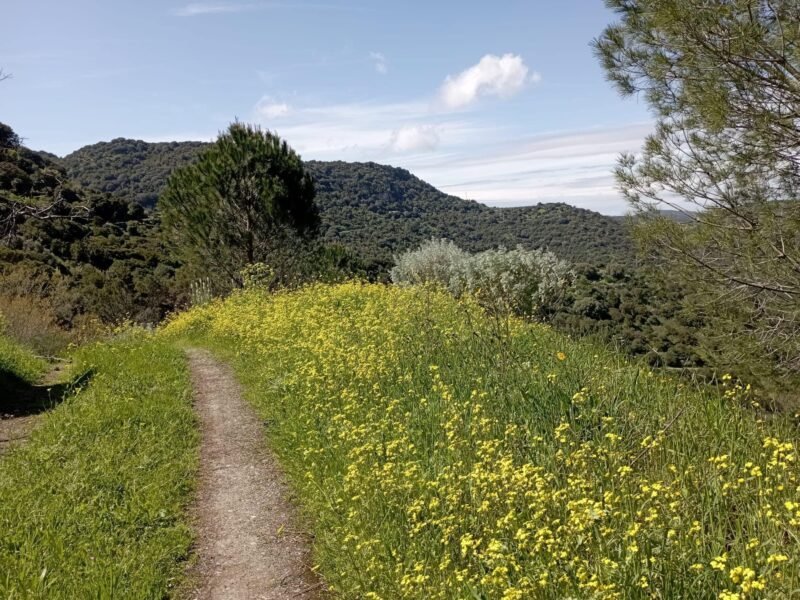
723	80
246	197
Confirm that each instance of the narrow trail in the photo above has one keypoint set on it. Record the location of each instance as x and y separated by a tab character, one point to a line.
247	544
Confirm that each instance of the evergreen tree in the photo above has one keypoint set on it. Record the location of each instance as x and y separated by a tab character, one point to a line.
245	198
723	80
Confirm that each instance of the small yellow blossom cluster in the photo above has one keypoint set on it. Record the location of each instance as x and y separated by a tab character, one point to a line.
442	453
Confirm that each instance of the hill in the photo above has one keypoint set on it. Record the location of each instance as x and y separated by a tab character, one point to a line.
84	252
375	209
130	169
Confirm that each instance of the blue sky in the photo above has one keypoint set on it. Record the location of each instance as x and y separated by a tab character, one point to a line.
501	102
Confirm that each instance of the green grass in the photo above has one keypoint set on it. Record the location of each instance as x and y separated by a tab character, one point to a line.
94	504
17	362
440	453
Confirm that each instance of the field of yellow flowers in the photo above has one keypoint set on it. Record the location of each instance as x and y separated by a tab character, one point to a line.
443	453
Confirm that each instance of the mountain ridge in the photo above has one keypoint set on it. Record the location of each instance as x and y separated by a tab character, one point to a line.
377	210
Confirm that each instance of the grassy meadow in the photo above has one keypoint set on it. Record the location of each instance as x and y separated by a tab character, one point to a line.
93	504
440	452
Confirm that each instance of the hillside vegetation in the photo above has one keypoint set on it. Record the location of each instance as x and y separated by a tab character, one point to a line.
105	259
374	209
88	255
444	453
93	504
131	169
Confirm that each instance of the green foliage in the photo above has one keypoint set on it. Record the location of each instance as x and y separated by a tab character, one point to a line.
131	169
639	312
376	210
632	309
94	504
83	252
722	79
245	197
381	210
8	137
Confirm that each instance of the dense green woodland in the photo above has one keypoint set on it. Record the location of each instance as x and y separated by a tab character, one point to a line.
131	169
374	209
87	255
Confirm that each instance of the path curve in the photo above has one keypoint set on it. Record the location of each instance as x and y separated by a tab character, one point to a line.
248	546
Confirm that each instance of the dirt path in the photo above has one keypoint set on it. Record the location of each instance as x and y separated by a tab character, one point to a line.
248	547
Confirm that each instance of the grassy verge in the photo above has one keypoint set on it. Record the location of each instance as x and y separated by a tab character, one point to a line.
93	505
444	454
17	362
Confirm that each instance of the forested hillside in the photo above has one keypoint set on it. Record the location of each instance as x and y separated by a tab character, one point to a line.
78	252
131	169
374	209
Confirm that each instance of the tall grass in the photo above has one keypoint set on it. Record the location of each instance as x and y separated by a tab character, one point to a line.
441	453
18	362
93	505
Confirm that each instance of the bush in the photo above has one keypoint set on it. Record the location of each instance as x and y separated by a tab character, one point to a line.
523	282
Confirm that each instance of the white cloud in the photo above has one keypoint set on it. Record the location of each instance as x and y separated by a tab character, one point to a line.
414	138
353	131
379	60
269	109
494	75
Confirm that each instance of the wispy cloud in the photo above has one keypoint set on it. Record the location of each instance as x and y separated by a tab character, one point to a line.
268	108
357	131
379	60
196	9
493	75
571	166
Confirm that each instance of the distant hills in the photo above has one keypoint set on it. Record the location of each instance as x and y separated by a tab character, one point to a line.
375	209
132	169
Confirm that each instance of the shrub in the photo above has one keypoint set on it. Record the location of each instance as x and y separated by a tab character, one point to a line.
523	282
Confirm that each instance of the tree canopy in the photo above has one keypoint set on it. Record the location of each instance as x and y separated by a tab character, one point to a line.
723	80
246	195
